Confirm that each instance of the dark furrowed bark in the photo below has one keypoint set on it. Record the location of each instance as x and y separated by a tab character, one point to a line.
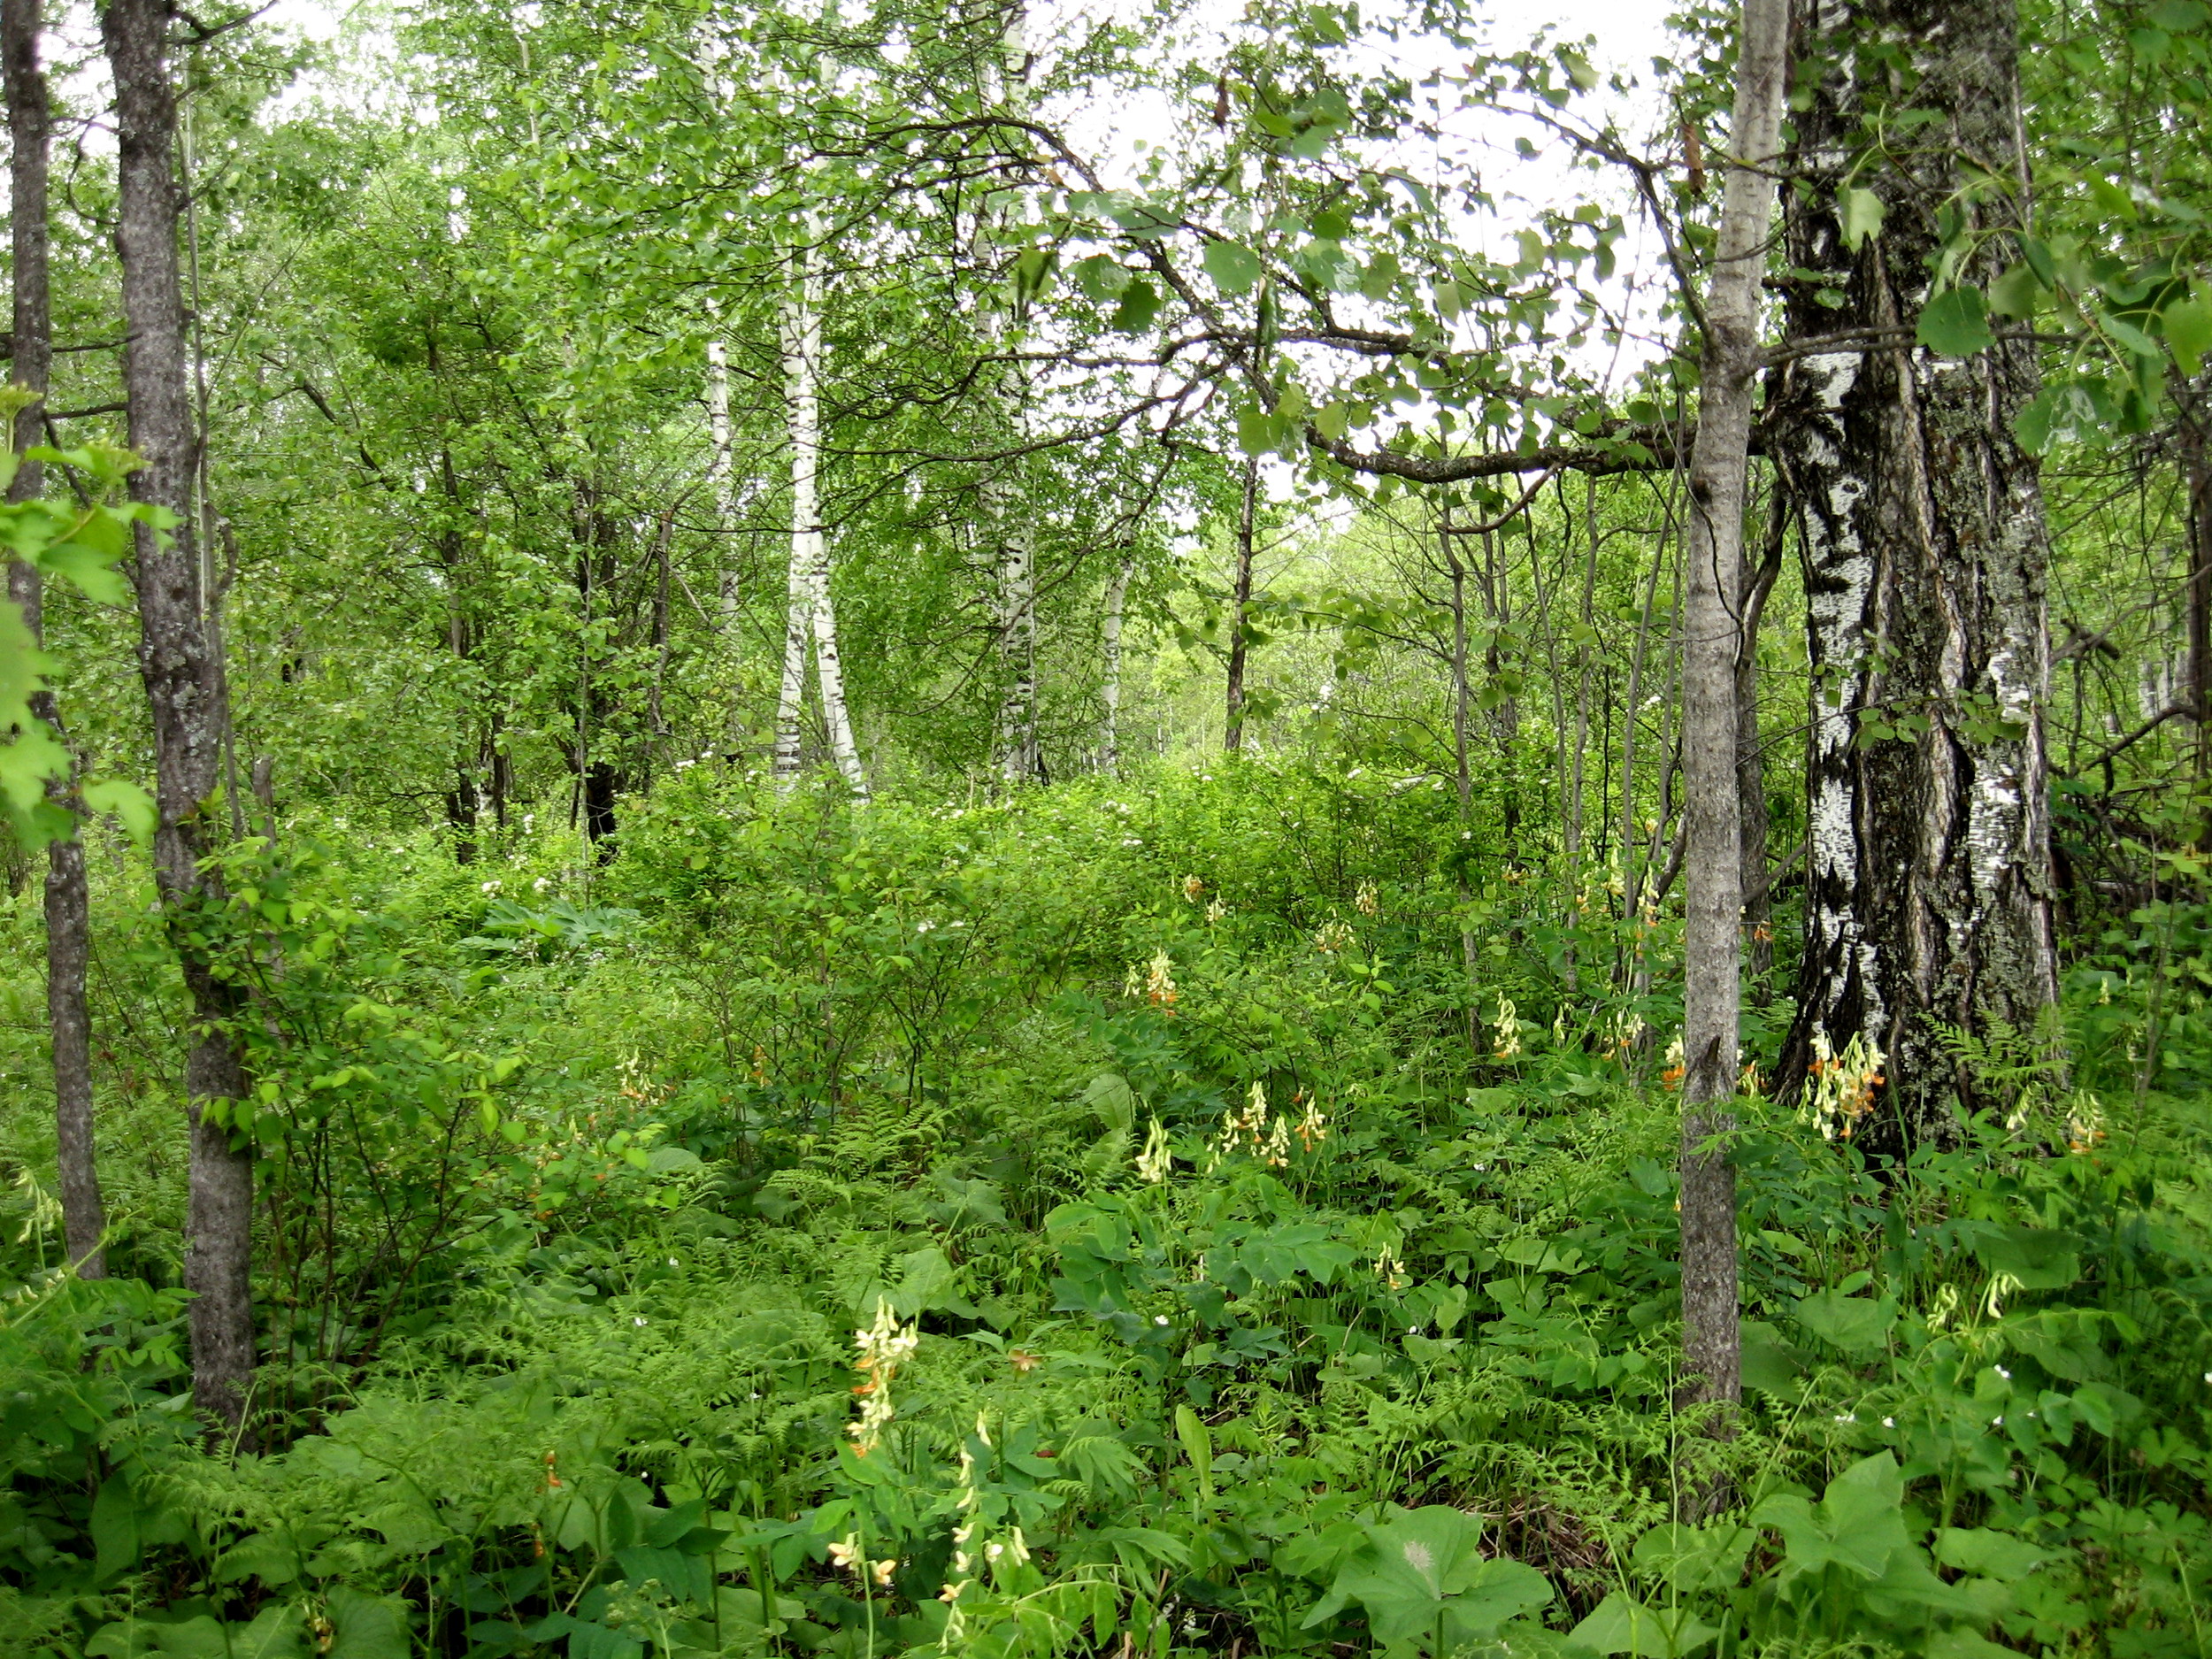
68	908
185	692
1928	882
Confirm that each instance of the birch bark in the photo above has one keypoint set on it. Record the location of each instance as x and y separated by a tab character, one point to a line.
810	613
1928	865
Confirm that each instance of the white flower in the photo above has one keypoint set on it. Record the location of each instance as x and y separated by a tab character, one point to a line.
1848	1416
1889	1422
1159	1318
490	887
541	884
1996	1422
639	1320
671	1261
2002	1373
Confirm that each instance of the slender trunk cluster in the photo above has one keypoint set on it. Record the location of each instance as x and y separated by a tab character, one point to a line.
1712	641
68	911
1928	865
809	615
184	692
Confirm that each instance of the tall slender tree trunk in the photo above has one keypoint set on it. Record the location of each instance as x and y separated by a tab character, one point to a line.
185	692
2197	590
1020	758
1232	722
722	495
1109	688
810	613
1929	879
1505	715
68	904
1711	642
1462	757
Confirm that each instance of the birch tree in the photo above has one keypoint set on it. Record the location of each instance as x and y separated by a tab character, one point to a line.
810	615
1928	898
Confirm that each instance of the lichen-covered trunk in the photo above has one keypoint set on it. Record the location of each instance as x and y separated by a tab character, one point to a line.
1928	865
183	676
68	912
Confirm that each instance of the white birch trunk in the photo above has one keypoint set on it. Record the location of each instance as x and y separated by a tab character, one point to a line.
808	607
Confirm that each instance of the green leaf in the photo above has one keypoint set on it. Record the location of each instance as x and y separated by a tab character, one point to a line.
2014	292
1100	278
1623	1624
1140	305
2032	425
2035	1258
2187	325
1956	323
1421	1578
1233	267
1860	213
1858	1526
1857	1325
1992	1554
1197	1446
131	804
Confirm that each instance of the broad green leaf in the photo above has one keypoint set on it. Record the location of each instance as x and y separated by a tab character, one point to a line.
2035	1258
1857	1325
1992	1554
89	568
2014	292
1622	1625
1100	278
1421	1579
131	805
2032	425
2188	328
1140	305
1859	214
1233	267
1956	323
